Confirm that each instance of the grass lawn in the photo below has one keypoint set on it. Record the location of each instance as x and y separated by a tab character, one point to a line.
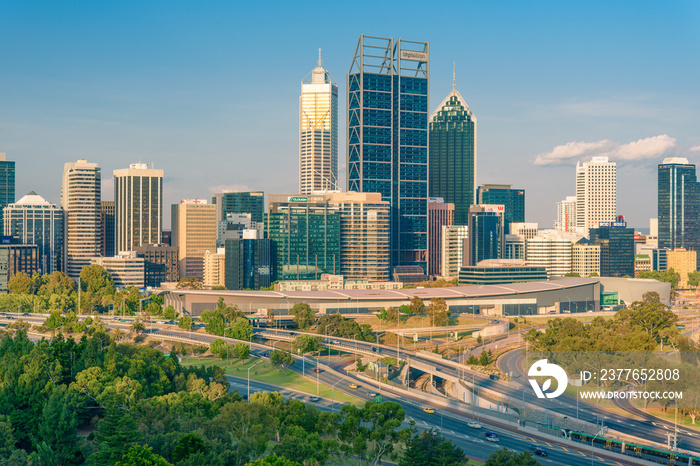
670	415
411	322
267	373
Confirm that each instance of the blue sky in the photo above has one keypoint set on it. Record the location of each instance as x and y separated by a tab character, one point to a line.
209	91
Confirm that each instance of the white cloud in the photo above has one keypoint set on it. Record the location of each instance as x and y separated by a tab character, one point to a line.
229	187
643	149
694	149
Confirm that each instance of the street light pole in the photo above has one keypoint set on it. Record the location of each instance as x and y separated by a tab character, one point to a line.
249	377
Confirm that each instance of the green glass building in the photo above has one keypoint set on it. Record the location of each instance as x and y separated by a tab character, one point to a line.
616	248
7	183
305	236
452	150
512	199
252	203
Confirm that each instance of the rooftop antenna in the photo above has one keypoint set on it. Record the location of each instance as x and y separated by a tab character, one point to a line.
319	57
454	87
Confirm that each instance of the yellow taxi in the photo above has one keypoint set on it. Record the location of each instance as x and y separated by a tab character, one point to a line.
429	410
352	385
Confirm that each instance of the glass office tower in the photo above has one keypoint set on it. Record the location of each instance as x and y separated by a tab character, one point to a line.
512	199
388	137
485	238
7	183
678	205
453	155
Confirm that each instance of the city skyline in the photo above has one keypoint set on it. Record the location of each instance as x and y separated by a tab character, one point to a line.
552	85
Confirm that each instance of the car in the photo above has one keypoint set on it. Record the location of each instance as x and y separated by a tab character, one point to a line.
25	314
539	451
374	349
314	398
493	377
491	437
117	319
474	425
171	322
9	317
317	370
352	385
429	410
292	333
372	394
335	342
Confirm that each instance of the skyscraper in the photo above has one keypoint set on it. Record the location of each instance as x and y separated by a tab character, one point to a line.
440	213
616	248
194	233
678	205
318	132
108	244
34	220
249	262
80	199
7	183
486	239
232	202
138	201
453	154
596	192
566	214
512	199
388	137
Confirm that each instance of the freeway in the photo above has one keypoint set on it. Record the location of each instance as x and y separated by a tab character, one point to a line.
572	453
516	390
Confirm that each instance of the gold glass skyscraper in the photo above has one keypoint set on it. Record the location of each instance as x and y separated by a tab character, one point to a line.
318	132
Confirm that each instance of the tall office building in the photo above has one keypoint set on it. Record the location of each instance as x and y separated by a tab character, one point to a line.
440	213
512	199
108	243
486	238
616	248
233	202
193	233
34	220
678	205
15	258
388	137
551	252
452	131
249	262
566	214
138	201
7	183
452	257
305	232
214	268
161	263
80	200
232	227
585	258
318	132
364	235
596	192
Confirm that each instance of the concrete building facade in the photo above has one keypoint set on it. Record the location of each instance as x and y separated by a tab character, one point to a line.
138	203
193	233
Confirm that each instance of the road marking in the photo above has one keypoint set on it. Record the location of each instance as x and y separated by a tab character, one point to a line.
452	432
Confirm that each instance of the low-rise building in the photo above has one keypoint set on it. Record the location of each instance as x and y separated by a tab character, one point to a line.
500	271
126	269
682	262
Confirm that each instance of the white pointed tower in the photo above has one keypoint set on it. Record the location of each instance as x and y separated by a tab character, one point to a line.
318	132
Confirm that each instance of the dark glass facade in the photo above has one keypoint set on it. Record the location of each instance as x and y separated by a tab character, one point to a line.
453	155
499	275
161	263
486	237
388	138
252	203
108	243
616	250
678	206
512	199
249	264
7	184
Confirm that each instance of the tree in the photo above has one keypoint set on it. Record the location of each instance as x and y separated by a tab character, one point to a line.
142	456
505	457
273	460
370	432
188	445
417	306
138	326
240	329
479	339
429	449
306	344
438	313
116	432
281	359
185	323
270	318
95	283
54	321
694	278
58	425
304	316
241	351
169	312
58	283
189	283
21	283
7	438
